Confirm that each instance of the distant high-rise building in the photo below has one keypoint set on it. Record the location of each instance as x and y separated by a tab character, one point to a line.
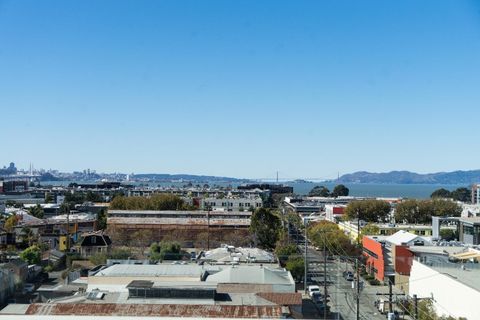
476	194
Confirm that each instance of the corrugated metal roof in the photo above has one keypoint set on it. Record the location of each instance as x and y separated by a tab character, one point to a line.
243	288
281	298
168	310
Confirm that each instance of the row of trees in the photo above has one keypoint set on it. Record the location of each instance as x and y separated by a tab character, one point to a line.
421	211
368	210
408	211
321	191
166	250
155	202
459	194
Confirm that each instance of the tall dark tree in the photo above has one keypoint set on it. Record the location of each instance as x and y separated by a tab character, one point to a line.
265	227
441	193
36	211
319	191
462	194
102	219
340	191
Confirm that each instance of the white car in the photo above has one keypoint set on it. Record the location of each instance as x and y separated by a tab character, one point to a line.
312	290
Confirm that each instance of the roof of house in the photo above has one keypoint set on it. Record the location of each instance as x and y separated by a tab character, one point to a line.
101	239
230	253
402	237
165	310
252	274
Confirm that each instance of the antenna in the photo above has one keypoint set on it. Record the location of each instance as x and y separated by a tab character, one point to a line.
277	177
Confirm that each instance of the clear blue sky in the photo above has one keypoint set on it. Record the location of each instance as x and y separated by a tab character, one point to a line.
240	88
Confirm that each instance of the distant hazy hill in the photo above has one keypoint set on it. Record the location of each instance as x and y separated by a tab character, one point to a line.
407	177
185	177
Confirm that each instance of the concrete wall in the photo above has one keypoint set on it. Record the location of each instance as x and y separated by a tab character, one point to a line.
7	285
460	300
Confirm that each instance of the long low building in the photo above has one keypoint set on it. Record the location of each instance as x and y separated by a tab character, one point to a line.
176	290
180	223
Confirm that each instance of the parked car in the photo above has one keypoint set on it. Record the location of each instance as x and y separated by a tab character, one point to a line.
28	288
312	290
348	275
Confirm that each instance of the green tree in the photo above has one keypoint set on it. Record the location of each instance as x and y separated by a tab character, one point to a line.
284	252
368	210
93	197
408	211
31	255
462	194
165	250
36	211
265	226
340	191
294	219
329	234
296	266
155	202
120	253
73	198
48	197
421	211
319	191
448	234
441	193
98	258
445	208
27	236
370	230
10	223
283	248
102	219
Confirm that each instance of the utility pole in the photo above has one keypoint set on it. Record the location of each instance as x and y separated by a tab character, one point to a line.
357	267
415	304
306	260
208	227
68	228
324	277
390	294
358	288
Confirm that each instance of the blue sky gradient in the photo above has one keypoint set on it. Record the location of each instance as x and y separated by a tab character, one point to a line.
240	88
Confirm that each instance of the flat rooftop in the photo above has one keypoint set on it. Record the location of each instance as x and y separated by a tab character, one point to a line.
155	270
469	276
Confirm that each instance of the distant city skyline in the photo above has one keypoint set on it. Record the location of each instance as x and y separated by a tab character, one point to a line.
240	89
